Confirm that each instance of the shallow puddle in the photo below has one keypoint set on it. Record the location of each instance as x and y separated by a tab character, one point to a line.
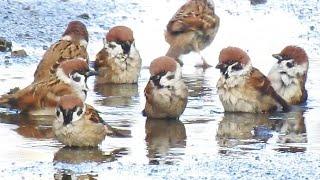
205	142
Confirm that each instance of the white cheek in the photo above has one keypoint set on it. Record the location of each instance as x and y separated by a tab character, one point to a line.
164	81
116	51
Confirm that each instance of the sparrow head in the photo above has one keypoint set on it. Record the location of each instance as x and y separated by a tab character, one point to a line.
292	60
165	71
233	61
120	38
75	72
69	109
76	30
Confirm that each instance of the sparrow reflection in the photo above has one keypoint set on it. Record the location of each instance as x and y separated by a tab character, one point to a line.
38	127
69	176
117	94
244	128
292	131
74	155
163	134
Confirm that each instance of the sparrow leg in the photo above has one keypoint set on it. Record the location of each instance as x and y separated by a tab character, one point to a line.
204	64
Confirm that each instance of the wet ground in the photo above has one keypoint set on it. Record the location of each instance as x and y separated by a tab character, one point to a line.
206	143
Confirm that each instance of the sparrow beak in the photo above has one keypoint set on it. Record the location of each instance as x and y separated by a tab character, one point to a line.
92	72
223	68
67	117
277	56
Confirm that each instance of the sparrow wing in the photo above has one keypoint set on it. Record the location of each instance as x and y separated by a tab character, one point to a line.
194	15
93	116
57	53
101	59
261	83
148	92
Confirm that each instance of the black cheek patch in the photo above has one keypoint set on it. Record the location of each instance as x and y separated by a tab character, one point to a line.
58	113
79	112
76	78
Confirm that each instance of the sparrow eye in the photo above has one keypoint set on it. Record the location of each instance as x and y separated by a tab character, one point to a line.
290	64
237	67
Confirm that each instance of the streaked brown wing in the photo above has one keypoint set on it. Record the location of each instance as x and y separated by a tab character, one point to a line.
57	53
194	15
261	83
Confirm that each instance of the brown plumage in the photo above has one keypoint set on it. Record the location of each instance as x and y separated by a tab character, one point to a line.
243	88
70	102
229	54
78	124
289	74
296	53
72	45
118	62
120	33
77	30
162	64
43	95
166	93
74	65
192	28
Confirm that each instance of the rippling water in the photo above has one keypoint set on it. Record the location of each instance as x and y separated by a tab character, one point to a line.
205	142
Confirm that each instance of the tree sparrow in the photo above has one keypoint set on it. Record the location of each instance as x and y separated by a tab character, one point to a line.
72	44
192	28
40	98
288	76
166	93
119	61
243	88
78	124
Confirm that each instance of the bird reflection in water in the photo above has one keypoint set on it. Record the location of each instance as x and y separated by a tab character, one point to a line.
38	127
293	133
74	155
69	176
161	136
117	94
244	129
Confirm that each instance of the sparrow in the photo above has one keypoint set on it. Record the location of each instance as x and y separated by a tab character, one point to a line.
40	98
78	124
243	88
72	44
166	93
119	60
288	76
192	28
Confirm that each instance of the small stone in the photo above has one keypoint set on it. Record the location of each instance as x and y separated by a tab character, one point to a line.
5	45
312	28
19	53
44	47
84	16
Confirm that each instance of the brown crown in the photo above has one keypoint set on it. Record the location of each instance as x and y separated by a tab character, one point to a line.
74	65
162	64
70	102
233	54
120	33
77	29
296	53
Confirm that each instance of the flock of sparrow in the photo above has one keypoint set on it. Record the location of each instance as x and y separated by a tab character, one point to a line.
59	87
